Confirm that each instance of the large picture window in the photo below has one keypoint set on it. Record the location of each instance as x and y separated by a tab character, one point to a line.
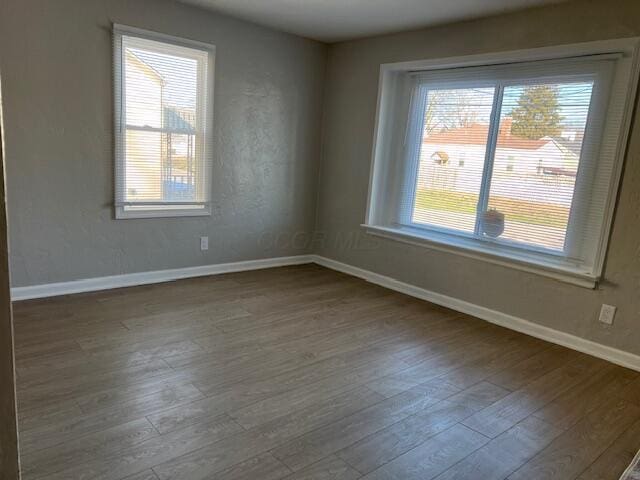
163	122
516	161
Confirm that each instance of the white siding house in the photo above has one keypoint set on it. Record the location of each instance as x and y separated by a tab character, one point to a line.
144	107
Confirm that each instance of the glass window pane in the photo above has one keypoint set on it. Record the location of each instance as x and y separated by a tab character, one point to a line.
143	166
536	163
160	167
164	96
159	83
452	157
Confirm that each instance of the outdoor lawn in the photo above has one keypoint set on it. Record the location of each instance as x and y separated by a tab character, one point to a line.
532	213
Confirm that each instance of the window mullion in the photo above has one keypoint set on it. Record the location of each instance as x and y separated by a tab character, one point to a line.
492	141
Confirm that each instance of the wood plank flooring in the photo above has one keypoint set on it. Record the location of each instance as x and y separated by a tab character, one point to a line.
305	373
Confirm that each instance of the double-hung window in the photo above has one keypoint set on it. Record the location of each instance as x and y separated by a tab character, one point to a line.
163	120
514	158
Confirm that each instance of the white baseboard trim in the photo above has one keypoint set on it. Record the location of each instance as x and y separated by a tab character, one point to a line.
144	278
613	355
610	354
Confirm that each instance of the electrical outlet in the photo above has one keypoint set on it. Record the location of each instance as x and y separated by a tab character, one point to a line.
204	243
607	312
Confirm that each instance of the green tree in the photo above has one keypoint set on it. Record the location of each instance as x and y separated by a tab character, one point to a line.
537	114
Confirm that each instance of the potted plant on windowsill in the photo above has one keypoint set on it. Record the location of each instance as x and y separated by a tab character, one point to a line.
493	223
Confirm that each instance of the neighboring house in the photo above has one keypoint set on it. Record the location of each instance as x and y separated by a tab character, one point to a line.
143	148
523	168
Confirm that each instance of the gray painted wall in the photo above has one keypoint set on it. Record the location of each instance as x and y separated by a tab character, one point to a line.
56	61
350	105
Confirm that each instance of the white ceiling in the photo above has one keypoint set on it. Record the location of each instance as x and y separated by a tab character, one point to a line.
336	20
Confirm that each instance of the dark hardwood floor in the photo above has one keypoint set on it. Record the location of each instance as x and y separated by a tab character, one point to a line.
305	373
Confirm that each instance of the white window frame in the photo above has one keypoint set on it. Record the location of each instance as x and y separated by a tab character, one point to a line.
393	103
135	210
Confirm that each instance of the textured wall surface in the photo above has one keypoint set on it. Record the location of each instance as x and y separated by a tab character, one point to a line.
8	427
56	58
349	117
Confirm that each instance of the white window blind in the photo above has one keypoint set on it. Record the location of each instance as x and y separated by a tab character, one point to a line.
518	161
163	124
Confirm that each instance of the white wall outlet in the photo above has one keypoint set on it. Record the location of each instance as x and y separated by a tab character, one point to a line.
204	243
607	312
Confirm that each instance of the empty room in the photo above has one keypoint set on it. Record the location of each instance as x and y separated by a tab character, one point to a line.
319	240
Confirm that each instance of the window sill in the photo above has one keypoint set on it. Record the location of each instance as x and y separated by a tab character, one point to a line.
162	211
472	249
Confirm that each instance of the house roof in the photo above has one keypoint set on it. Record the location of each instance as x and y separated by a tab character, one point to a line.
145	66
176	123
477	134
574	146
